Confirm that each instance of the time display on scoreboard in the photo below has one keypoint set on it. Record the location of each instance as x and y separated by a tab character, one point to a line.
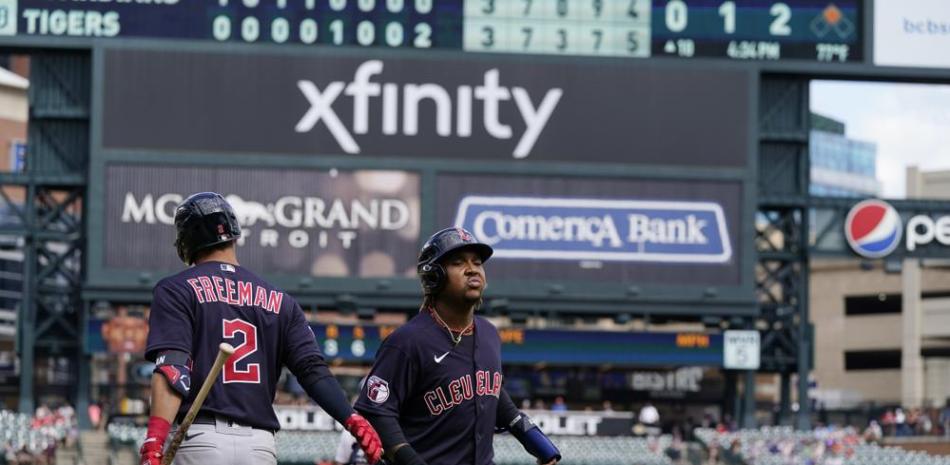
821	30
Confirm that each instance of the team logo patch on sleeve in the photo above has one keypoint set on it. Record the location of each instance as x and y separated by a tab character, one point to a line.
377	389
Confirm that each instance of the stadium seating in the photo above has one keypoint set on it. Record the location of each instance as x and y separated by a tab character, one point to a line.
17	433
295	447
785	446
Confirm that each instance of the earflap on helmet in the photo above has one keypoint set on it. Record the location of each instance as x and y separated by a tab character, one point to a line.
432	277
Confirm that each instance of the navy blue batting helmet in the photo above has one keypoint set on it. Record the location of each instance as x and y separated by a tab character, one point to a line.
204	220
431	272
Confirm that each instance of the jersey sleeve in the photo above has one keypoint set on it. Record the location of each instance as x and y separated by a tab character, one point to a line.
301	352
389	384
170	321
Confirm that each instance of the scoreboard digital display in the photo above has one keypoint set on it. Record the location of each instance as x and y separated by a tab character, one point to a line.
816	30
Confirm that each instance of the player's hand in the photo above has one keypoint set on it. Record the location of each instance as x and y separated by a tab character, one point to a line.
151	452
365	436
552	462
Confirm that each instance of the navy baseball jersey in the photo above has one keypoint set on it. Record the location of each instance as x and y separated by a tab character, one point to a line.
213	302
445	396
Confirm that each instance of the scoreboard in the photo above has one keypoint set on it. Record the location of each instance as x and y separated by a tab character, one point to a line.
814	30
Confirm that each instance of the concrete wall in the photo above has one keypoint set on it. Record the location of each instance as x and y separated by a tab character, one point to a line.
835	333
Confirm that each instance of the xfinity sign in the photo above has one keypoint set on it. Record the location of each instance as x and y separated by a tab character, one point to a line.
598	230
447	107
874	229
400	104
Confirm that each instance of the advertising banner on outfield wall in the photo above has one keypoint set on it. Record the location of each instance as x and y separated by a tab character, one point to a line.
324	223
913	33
312	418
368	103
628	231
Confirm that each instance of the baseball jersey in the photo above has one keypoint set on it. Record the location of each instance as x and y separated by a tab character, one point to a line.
443	395
213	302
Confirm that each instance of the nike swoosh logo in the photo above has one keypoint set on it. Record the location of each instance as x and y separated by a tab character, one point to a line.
189	437
439	359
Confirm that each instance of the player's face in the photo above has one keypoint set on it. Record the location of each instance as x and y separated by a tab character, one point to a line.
465	275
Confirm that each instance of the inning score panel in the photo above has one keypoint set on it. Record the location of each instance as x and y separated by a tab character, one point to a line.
815	30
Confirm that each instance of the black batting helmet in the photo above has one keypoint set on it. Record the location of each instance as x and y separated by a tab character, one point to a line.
431	272
204	220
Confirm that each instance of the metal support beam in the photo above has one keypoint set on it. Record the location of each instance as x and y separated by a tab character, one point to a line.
51	312
785	400
782	233
748	400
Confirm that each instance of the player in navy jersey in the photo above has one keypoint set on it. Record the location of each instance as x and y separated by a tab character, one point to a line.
215	301
435	392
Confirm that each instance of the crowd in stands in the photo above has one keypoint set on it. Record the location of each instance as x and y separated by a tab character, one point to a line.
820	446
33	440
914	422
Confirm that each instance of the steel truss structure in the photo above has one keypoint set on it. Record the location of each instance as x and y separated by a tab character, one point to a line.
49	222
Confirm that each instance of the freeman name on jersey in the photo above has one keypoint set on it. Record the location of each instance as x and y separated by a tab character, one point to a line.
240	293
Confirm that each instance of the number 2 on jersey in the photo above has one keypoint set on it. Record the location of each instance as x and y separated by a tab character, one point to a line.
231	373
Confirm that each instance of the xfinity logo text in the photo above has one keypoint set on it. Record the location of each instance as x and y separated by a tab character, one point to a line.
401	104
596	229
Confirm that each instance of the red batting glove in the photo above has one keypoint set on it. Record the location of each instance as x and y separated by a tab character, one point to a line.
366	437
151	451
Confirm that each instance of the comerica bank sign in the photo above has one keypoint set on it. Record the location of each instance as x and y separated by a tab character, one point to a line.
598	229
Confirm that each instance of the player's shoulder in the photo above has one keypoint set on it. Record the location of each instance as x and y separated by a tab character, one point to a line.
410	333
176	281
484	323
486	327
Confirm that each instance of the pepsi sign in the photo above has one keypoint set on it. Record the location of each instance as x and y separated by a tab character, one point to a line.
598	230
873	228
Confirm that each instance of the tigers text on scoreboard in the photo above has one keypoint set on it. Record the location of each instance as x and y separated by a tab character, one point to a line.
813	30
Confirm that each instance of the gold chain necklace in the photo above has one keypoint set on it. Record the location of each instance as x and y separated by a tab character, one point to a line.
455	340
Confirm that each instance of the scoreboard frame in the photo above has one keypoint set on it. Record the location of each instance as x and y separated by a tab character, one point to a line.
567	296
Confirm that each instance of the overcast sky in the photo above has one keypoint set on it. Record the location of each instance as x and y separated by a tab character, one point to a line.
910	123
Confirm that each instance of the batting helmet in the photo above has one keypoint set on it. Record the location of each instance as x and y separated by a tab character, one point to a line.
431	272
204	220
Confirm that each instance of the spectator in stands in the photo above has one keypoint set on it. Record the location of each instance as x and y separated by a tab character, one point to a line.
733	456
713	457
649	415
677	448
924	423
95	414
873	433
607	407
945	419
900	422
888	422
688	429
559	405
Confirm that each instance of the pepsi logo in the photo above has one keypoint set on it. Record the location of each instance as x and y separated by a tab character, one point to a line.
873	228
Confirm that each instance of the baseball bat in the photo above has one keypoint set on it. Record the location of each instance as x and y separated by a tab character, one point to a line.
224	351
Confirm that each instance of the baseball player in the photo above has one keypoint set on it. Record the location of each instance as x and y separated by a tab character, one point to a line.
435	392
215	301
